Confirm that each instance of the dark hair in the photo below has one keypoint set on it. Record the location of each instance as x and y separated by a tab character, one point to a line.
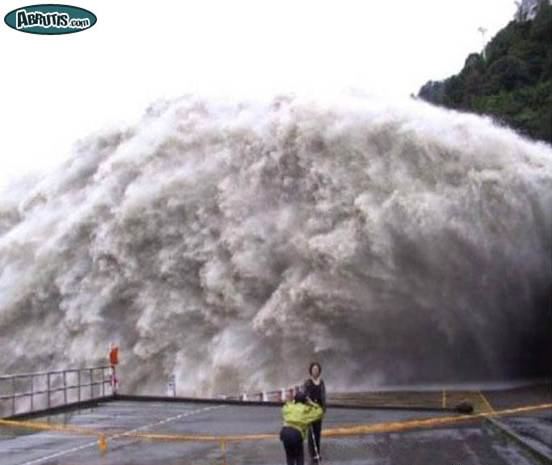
315	364
300	396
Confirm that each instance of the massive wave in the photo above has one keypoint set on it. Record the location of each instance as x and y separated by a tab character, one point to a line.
233	242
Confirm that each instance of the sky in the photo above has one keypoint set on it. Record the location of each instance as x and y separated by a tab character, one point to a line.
57	89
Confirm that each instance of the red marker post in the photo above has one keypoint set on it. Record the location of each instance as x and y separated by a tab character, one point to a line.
114	361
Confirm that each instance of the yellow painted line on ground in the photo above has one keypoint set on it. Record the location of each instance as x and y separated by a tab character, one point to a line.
425	423
386	427
487	403
43	426
352	430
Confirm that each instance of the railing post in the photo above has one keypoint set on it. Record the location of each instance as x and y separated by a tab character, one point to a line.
79	384
91	383
13	395
114	380
32	393
64	387
48	390
103	382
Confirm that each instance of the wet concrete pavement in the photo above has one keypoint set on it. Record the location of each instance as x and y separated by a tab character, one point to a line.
467	443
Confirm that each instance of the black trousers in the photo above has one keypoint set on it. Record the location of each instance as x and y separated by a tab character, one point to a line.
293	445
316	429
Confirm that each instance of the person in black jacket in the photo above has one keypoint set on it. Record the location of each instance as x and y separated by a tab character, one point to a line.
316	391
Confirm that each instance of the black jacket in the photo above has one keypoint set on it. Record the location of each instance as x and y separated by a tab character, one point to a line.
316	393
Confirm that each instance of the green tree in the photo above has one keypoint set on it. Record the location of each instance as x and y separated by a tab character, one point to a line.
513	84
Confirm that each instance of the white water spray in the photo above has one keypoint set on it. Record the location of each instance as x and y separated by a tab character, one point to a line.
232	243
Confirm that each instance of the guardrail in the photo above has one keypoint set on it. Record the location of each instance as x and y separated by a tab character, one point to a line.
281	395
25	392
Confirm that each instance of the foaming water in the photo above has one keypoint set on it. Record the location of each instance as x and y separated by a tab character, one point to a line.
233	242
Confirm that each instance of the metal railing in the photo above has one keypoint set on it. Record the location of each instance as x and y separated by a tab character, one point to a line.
27	392
281	395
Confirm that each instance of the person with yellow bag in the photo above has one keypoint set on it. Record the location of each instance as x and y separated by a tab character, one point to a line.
298	415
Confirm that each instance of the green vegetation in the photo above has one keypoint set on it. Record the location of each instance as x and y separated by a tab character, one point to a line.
512	82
